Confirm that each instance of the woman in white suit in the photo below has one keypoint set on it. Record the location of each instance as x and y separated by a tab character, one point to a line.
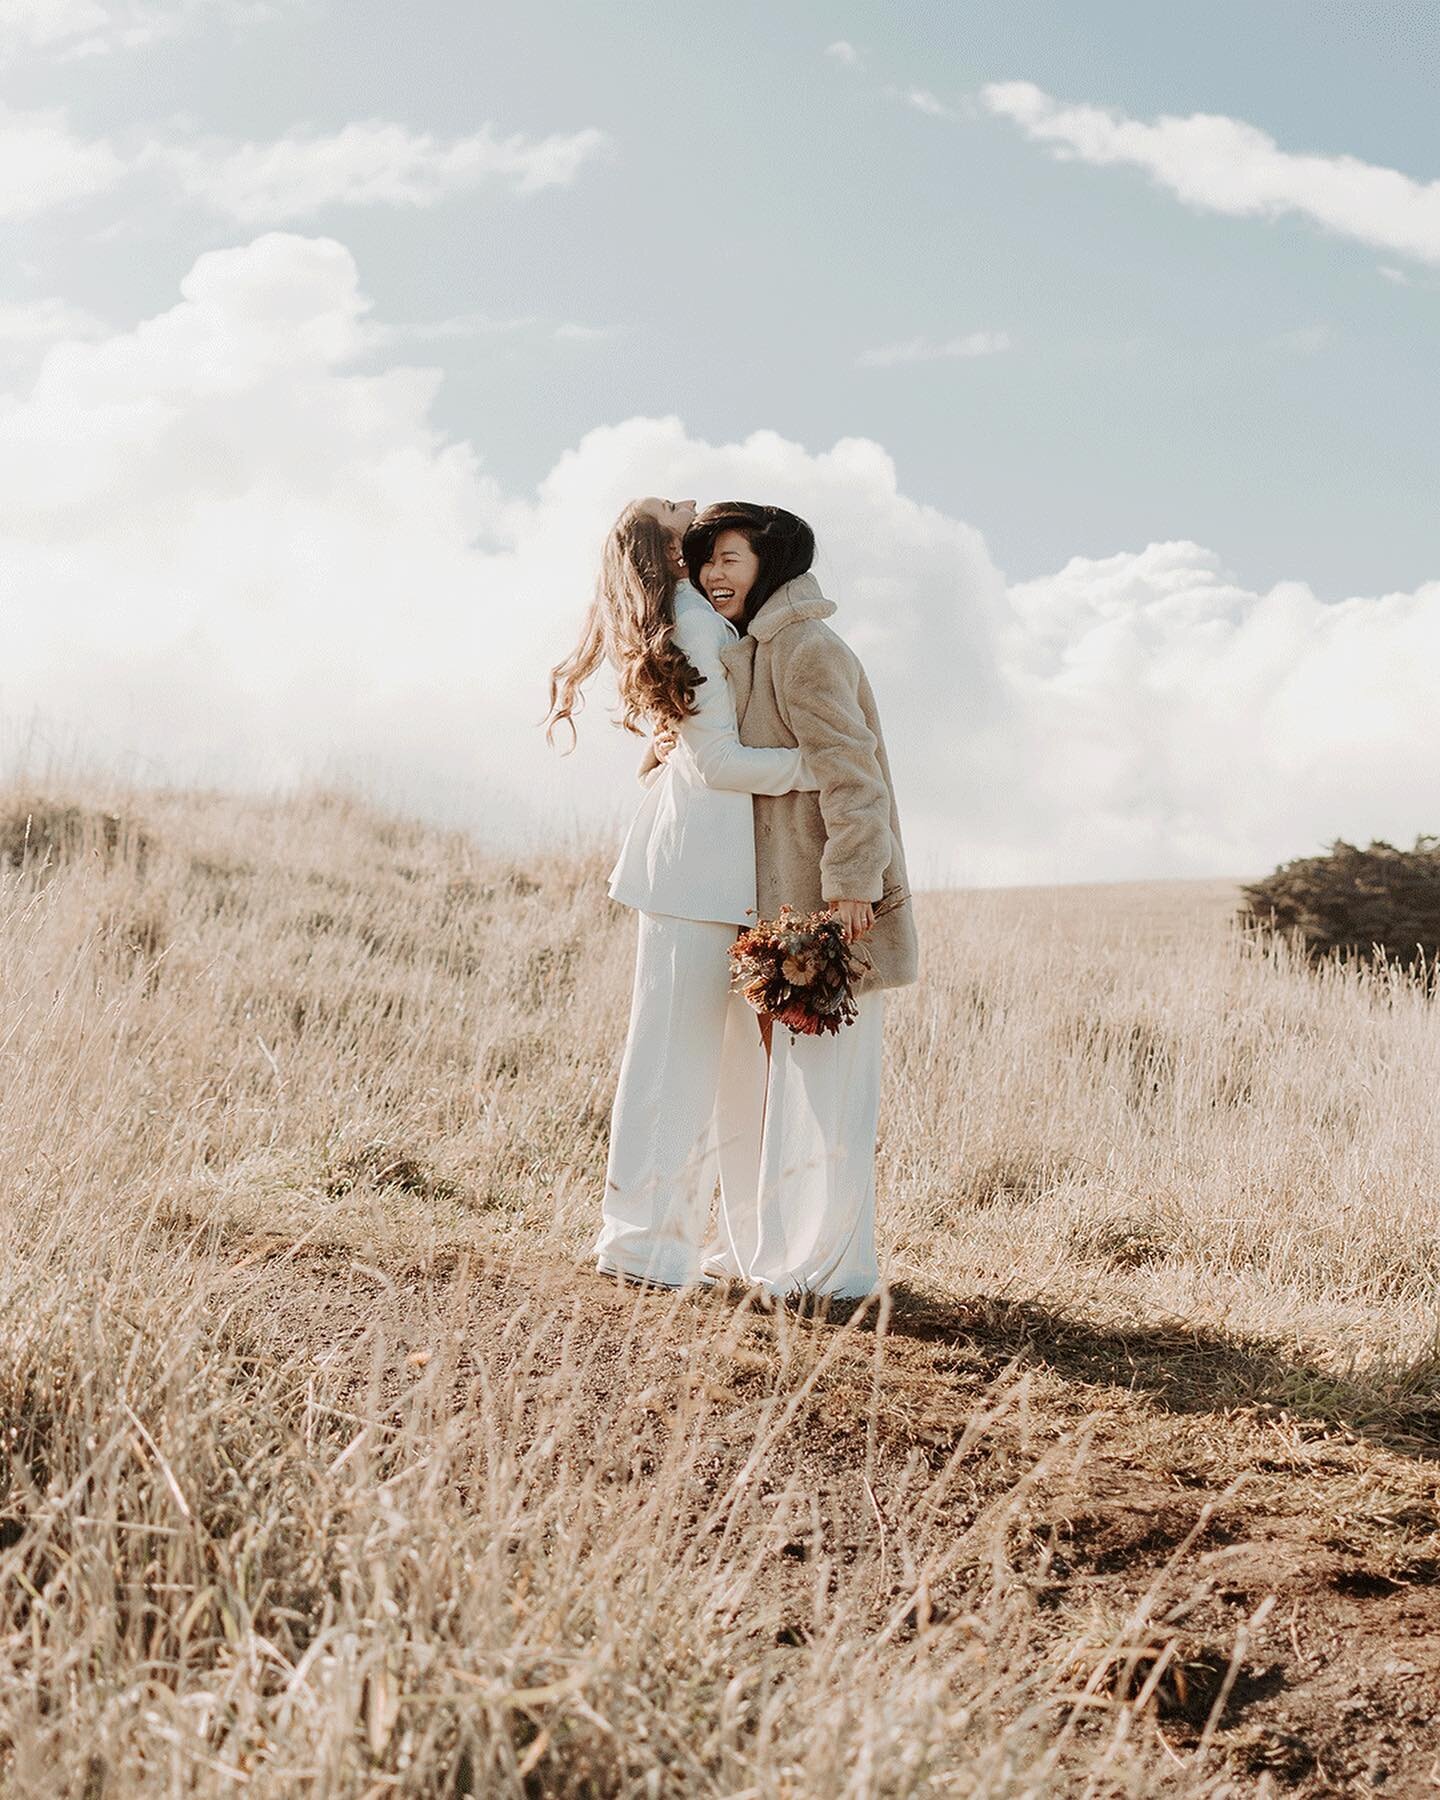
687	866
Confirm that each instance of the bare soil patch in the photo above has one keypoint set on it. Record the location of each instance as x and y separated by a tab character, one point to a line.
1286	1560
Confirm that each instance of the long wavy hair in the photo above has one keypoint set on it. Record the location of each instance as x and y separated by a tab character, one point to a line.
629	625
783	544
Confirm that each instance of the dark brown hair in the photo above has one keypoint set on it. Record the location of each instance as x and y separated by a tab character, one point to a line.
629	623
783	542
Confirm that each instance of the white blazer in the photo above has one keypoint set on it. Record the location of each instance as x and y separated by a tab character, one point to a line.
690	849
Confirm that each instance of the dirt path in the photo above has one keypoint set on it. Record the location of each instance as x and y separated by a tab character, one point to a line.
1162	1463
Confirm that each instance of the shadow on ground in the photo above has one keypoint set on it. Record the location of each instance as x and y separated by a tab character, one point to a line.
1184	1369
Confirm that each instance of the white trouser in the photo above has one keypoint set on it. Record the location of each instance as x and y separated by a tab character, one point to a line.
660	1174
795	1132
797	1155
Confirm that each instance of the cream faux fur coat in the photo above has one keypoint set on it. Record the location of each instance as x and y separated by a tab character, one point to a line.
798	684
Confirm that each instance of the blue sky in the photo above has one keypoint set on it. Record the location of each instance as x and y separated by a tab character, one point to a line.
765	215
792	211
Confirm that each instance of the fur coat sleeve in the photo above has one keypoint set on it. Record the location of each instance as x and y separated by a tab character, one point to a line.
817	684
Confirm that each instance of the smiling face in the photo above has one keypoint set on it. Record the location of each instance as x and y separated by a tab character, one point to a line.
674	516
729	575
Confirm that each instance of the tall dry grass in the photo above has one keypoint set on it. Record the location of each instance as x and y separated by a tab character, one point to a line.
327	1476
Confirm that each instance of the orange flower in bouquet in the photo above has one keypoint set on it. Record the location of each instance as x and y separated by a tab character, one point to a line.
798	968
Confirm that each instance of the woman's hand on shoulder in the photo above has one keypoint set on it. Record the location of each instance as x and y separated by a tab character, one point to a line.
665	739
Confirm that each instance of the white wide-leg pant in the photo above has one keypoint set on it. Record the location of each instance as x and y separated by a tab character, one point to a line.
797	1155
791	1136
661	1170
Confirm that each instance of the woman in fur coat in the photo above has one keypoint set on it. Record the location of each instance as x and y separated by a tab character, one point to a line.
797	1118
687	867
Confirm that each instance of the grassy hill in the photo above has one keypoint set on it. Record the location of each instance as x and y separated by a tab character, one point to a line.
332	1469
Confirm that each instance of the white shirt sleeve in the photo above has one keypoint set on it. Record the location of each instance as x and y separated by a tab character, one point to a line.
710	733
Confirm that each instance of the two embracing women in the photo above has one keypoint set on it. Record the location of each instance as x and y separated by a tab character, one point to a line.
771	787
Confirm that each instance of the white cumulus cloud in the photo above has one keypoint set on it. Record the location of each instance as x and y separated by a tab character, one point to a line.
1180	722
41	23
29	327
974	343
44	165
843	52
922	101
1224	165
93	27
26	324
230	552
367	162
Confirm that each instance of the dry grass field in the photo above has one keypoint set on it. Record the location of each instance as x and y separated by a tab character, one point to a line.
332	1470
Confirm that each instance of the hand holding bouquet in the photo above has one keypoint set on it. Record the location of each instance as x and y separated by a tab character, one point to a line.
799	968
